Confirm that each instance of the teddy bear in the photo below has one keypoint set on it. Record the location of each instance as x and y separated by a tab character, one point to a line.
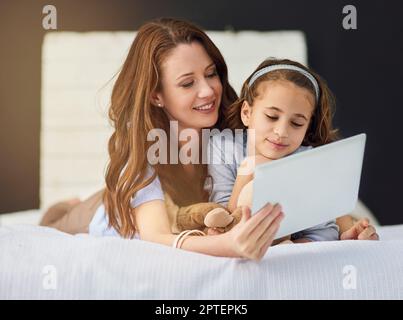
200	216
206	215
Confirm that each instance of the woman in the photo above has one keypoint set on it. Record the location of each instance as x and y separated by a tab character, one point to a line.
173	72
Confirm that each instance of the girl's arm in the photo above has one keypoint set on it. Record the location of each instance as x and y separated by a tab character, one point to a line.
240	181
250	238
245	174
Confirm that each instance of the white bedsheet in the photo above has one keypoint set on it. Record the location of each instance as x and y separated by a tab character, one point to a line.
42	263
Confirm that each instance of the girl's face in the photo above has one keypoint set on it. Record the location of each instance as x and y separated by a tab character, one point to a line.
280	116
191	88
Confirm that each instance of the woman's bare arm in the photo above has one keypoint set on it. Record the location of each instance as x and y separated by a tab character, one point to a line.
250	238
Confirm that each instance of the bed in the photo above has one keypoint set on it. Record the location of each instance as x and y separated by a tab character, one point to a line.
43	263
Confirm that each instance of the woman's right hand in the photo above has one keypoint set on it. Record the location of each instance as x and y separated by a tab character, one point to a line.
253	235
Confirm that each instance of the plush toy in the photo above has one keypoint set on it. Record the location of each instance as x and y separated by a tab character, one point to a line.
200	216
206	215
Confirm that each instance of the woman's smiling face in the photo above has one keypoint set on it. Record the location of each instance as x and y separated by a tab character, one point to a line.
280	116
191	89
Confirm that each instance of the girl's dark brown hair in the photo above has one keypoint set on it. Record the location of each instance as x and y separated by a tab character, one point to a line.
320	130
131	104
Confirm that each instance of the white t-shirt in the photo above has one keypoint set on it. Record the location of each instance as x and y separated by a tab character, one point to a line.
99	224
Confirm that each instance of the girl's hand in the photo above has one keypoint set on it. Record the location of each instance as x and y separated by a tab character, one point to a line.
361	230
252	236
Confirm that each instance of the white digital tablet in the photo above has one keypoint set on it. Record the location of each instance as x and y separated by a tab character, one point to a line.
312	186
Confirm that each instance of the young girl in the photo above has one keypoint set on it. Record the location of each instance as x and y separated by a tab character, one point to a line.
289	109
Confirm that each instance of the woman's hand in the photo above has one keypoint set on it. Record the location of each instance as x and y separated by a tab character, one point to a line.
252	236
361	230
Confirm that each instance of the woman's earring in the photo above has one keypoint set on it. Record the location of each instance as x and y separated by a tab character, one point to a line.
159	104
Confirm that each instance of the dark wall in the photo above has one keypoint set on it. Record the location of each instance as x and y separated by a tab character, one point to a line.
363	67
